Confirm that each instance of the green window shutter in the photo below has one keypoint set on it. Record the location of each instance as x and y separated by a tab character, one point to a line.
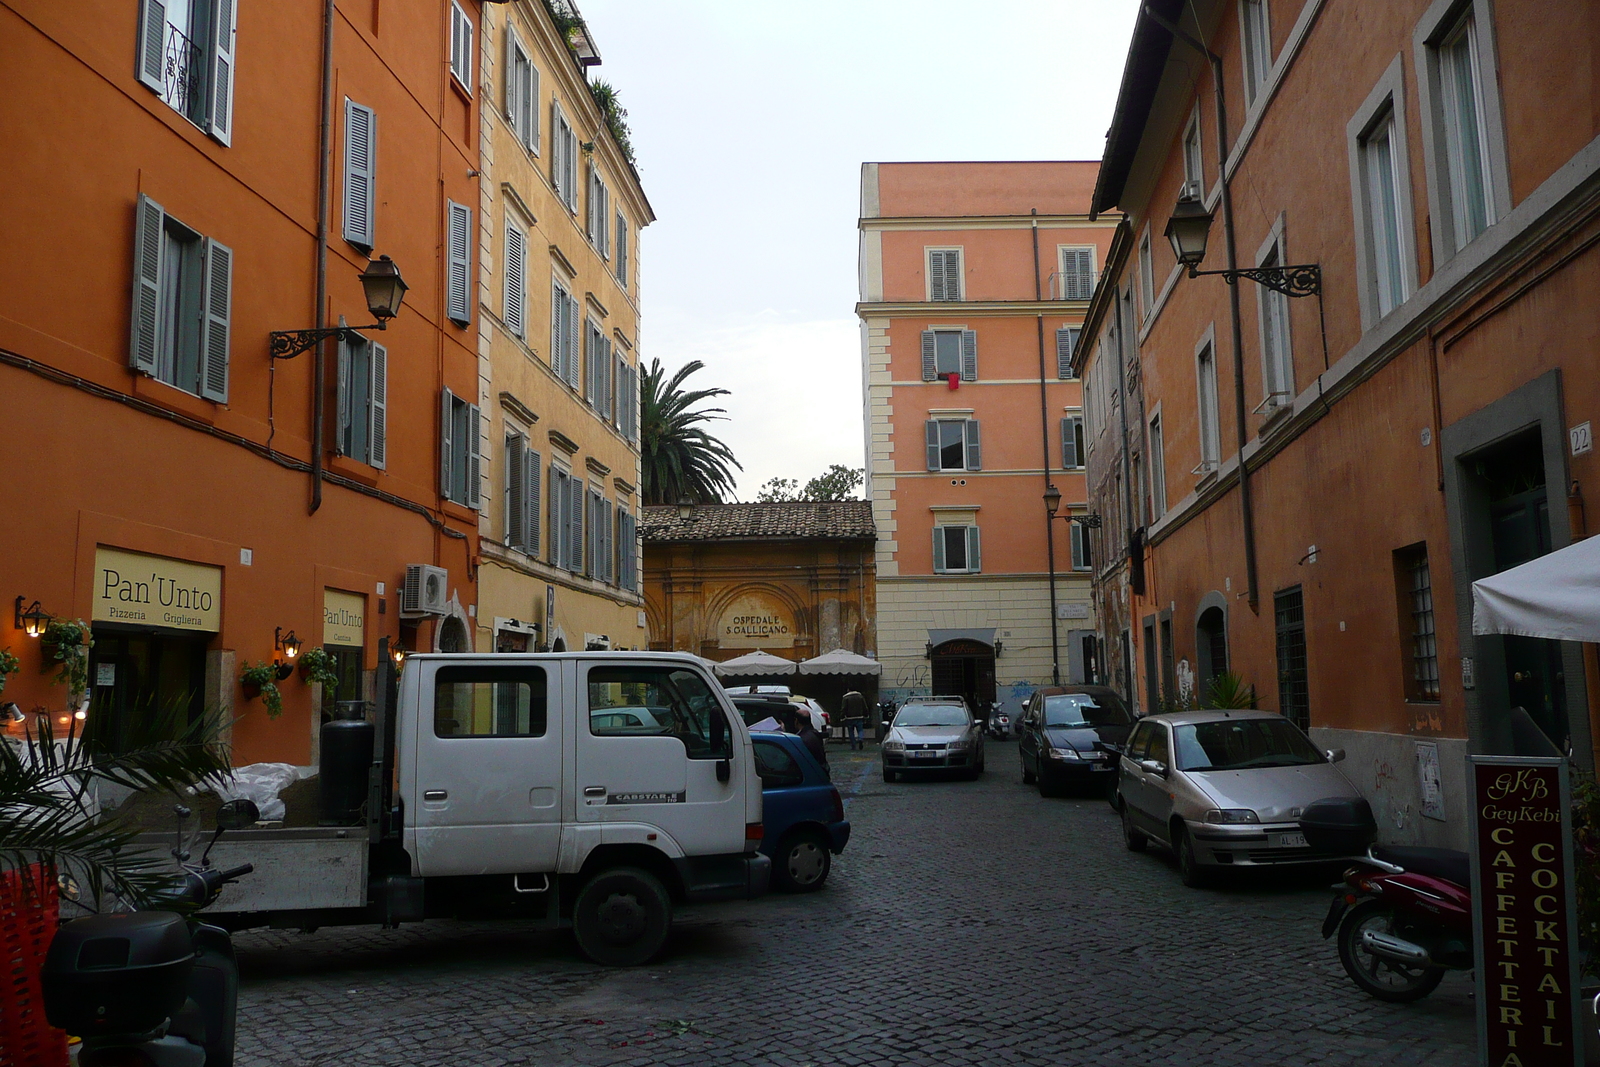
445	450
974	445
360	171
458	289
515	299
341	440
930	359
217	301
150	62
932	430
516	492
938	550
531	469
378	409
974	555
220	113
149	221
474	457
969	356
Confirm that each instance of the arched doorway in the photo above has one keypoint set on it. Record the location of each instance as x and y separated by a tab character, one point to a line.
964	667
452	635
1211	648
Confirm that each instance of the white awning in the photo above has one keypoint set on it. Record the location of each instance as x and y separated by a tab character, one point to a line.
755	664
840	662
1555	596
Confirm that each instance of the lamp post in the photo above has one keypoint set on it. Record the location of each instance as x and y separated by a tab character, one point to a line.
1187	232
384	289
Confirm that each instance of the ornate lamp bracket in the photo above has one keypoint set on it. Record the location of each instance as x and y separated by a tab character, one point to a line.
1300	279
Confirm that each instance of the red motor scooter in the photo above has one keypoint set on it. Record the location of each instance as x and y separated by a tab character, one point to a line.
1403	914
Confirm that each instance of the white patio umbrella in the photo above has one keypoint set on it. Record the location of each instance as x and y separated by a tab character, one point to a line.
1555	596
840	662
756	664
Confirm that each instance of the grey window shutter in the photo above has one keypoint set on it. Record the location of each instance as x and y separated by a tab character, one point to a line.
445	450
516	492
938	550
360	170
932	428
558	493
342	399
1069	446
588	363
223	18
622	251
1078	282
1064	353
514	102
530	105
969	356
974	550
619	389
217	300
575	516
531	471
151	61
378	412
149	221
974	445
930	359
474	457
608	368
555	328
555	147
574	330
515	299
460	255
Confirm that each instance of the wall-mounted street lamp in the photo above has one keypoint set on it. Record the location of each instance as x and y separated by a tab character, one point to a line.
686	510
385	290
33	619
1187	232
289	645
1052	504
398	653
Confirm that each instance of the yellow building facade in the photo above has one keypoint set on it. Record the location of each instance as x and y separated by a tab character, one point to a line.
558	291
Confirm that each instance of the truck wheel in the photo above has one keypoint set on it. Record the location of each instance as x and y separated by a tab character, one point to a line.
802	863
621	917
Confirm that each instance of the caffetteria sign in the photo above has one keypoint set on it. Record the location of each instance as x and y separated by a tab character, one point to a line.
141	590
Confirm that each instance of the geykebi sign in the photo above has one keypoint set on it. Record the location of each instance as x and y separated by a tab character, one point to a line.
1524	911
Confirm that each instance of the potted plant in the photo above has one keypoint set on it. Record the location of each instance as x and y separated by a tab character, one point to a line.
317	665
66	644
9	664
262	680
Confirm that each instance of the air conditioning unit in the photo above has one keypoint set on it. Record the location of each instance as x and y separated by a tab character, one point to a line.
426	591
1191	191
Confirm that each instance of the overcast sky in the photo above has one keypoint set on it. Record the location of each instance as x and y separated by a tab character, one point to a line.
751	119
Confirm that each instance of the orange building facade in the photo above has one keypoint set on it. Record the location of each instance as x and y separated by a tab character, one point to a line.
974	280
182	181
1302	488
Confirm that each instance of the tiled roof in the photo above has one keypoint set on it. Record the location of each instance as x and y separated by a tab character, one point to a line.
841	520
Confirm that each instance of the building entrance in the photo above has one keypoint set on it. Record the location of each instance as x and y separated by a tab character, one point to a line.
137	679
965	668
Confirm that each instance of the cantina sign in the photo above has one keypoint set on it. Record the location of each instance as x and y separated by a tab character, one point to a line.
130	587
1524	913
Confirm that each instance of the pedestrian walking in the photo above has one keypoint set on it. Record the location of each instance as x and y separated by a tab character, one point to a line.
853	710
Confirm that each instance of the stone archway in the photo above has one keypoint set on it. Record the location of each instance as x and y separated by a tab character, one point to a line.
758	615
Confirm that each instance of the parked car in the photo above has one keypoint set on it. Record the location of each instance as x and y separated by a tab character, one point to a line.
802	812
1224	789
1071	737
929	736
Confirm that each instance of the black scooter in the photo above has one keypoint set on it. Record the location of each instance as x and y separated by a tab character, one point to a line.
153	988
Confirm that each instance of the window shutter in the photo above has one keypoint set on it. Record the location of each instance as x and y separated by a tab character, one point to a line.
460	253
588	364
530	104
932	429
1078	268
607	365
220	126
938	550
1069	446
216	299
622	251
359	172
944	275
575	524
558	511
151	60
571	341
974	555
969	356
969	433
930	359
474	457
378	412
531	470
594	202
149	220
555	328
342	400
445	452
515	301
1064	339
555	148
513	103
516	492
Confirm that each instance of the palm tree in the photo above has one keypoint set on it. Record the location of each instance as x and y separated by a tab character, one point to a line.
681	461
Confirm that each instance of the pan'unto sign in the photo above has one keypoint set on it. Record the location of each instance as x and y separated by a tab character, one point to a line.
755	621
140	590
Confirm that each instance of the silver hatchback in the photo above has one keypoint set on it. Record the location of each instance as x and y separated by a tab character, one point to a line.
1224	789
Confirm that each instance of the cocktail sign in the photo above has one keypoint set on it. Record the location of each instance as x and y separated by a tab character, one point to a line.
1524	913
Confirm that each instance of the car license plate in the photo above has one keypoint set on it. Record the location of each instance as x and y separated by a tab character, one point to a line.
1291	840
923	755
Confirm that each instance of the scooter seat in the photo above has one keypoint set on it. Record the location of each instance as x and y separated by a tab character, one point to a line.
189	1022
1445	863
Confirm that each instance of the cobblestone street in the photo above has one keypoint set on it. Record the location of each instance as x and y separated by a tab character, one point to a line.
965	923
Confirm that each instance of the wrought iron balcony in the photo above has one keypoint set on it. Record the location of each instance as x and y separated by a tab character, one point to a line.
183	76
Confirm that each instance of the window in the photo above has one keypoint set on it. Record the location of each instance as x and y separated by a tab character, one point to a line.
489	702
955	550
360	172
599	214
627	551
1193	166
460	463
563	158
597	365
461	29
182	303
659	702
363	401
1293	694
1077	272
566	520
944	274
954	445
622	251
522	494
1257	37
775	767
626	397
522	92
1147	278
602	528
564	333
514	301
1066	344
1072	455
1205	368
1384	195
458	289
1460	82
1080	547
186	56
947	352
1419	646
1277	362
1158	470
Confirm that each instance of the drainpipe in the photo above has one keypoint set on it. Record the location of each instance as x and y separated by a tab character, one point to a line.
1044	430
319	371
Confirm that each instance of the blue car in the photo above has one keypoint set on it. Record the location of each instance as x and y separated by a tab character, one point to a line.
802	813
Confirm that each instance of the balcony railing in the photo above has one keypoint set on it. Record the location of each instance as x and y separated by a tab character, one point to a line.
183	77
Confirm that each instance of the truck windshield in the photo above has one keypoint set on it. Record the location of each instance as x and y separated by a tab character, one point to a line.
658	702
